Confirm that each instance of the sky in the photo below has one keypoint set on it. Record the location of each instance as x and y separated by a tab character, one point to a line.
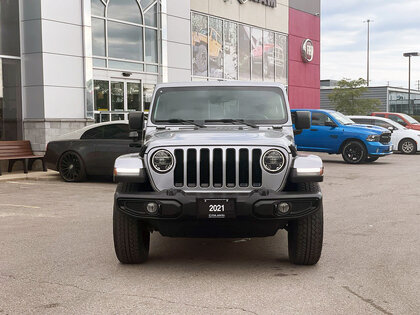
395	30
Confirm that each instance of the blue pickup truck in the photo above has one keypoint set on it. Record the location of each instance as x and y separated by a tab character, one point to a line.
334	133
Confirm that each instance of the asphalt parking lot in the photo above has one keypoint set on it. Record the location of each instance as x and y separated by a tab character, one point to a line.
57	254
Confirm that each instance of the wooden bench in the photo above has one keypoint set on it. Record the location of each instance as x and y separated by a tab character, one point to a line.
19	151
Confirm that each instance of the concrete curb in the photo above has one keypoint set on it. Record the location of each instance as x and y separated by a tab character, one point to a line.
36	176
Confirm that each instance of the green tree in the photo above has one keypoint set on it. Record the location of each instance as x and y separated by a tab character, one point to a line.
346	98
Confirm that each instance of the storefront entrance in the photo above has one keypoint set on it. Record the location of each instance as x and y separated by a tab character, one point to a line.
114	99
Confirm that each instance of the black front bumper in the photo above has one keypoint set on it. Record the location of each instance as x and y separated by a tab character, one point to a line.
255	212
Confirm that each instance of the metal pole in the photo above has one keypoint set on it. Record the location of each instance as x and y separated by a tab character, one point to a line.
409	84
368	40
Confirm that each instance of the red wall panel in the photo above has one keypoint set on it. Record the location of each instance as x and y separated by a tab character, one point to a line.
304	78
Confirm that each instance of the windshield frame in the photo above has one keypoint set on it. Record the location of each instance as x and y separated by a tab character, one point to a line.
275	89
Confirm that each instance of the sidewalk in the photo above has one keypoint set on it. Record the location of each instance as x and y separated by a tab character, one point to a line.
32	175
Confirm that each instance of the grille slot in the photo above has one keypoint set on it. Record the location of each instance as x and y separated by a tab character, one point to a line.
217	168
256	168
204	167
179	168
192	168
385	138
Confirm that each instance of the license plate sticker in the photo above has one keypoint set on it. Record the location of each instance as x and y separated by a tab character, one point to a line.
216	208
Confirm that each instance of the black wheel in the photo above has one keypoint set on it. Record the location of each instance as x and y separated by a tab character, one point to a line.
71	167
354	152
305	235
407	146
131	238
371	159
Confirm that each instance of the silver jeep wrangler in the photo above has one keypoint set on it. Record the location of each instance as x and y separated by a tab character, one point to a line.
218	160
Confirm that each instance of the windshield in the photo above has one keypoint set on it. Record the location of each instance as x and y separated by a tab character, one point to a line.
410	119
343	120
220	104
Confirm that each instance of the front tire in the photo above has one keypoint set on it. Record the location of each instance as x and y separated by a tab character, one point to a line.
305	235
407	146
354	152
131	239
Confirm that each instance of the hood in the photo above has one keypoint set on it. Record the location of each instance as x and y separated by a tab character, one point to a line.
219	137
369	129
414	127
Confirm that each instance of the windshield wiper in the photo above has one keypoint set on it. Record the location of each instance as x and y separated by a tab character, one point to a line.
182	121
233	121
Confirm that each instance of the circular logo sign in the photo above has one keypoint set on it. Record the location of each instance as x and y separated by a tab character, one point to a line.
307	50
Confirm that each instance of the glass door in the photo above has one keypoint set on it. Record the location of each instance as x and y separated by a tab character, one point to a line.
114	99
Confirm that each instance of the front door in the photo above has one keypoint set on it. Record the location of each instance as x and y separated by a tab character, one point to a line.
114	99
320	137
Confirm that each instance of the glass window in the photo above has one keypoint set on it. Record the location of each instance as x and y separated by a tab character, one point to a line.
116	131
259	104
117	95
94	133
10	100
319	119
216	47
257	54
100	63
9	28
125	41
363	121
101	94
150	17
148	90
146	3
398	119
134	96
98	37
281	58
268	56
98	8
130	66
125	10
230	33
117	117
199	44
383	124
244	52
151	46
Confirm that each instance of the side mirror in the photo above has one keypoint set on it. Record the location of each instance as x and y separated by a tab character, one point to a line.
330	124
136	121
390	128
302	120
136	126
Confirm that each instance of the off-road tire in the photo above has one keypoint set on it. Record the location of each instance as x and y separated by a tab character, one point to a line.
407	146
371	159
131	238
354	152
305	235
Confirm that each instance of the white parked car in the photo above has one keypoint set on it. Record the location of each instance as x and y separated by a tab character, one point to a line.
404	140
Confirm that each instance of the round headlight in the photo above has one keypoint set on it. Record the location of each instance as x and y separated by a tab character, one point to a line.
162	161
273	161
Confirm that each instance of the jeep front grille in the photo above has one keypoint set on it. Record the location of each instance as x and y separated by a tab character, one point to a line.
217	167
385	138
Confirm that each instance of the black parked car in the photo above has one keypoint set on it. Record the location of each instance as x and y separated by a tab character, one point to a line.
91	150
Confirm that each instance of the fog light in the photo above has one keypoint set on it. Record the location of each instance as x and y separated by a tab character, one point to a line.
152	207
282	208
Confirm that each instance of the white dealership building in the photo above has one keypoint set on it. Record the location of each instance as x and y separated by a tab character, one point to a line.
68	63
